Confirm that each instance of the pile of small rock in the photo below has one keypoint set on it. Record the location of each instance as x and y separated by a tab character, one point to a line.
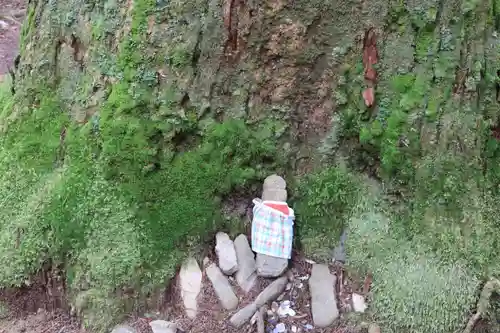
236	258
273	309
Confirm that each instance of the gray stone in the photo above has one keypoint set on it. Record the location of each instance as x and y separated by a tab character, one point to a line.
274	195
358	303
190	278
123	329
373	328
339	253
245	276
274	182
226	253
260	320
163	326
243	315
271	292
323	299
222	287
274	189
268	266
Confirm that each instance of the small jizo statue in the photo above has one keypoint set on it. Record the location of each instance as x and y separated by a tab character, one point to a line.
272	228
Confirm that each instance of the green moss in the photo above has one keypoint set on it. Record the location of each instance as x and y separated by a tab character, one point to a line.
28	26
120	200
323	203
132	49
426	44
180	57
112	223
412	289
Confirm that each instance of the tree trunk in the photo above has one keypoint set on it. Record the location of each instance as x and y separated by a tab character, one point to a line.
385	85
296	66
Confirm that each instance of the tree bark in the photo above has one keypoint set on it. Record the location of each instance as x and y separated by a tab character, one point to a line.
292	64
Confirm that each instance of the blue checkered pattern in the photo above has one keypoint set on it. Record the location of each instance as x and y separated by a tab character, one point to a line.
272	231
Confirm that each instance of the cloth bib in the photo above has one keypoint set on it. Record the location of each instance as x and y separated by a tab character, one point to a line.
272	228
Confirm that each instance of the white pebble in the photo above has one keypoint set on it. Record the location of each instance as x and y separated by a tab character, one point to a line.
358	303
280	328
274	306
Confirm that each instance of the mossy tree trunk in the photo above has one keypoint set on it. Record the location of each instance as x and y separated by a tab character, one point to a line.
293	67
136	84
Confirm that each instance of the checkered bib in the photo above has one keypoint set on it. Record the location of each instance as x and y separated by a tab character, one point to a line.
272	230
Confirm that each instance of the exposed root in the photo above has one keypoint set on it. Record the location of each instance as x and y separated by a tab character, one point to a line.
472	322
493	285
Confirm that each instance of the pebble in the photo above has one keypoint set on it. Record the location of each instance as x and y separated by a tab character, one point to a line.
323	299
123	329
294	329
260	320
358	303
222	287
162	326
373	328
226	253
245	276
271	292
339	253
308	327
288	286
280	328
285	309
274	306
243	315
190	277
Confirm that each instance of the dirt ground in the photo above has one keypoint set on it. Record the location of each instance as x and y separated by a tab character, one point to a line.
11	16
33	310
213	318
